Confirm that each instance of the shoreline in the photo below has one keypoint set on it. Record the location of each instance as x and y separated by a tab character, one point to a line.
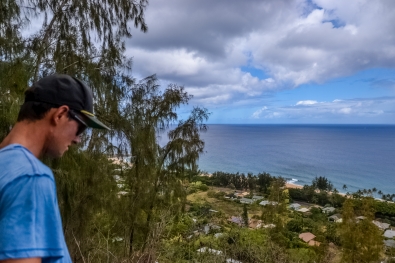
288	185
298	186
293	186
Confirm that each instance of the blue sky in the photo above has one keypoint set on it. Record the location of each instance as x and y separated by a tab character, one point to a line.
275	61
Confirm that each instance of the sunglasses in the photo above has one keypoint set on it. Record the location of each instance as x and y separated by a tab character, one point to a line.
81	123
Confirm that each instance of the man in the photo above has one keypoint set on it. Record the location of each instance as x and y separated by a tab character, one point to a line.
57	109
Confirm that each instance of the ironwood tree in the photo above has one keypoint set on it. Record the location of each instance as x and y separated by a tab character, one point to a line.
322	183
361	240
86	39
155	179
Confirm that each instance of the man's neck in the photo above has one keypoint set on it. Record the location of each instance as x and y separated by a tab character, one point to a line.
31	135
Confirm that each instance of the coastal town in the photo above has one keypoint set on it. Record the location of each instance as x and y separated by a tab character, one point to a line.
217	212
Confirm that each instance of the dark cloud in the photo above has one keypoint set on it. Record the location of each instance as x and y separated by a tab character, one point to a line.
204	26
204	44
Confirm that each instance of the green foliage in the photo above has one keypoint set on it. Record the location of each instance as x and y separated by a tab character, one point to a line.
264	182
245	215
214	194
384	208
86	39
197	186
260	182
322	183
303	255
331	233
295	225
361	241
308	194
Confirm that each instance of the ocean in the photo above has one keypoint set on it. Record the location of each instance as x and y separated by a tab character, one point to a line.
358	156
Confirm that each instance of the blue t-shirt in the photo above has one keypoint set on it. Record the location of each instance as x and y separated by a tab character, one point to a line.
30	223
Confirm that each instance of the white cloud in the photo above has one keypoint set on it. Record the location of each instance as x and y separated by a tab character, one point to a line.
345	110
258	113
351	111
306	102
273	115
202	45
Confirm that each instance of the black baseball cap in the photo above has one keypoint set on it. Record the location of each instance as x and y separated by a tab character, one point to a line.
61	89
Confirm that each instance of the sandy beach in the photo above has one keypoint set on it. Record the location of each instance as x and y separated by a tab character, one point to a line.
294	186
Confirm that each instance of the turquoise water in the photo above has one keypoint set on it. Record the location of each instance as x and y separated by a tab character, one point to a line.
360	156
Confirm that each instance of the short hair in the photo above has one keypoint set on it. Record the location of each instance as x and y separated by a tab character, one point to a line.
34	111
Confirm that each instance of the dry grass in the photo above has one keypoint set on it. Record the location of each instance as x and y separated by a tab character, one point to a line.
229	208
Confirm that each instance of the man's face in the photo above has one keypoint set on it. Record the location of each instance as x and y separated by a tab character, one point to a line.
63	135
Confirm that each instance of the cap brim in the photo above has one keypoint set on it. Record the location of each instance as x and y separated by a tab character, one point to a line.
92	121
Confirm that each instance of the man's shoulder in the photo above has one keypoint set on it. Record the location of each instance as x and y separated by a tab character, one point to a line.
16	160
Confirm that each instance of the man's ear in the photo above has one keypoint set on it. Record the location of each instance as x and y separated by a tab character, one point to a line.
59	113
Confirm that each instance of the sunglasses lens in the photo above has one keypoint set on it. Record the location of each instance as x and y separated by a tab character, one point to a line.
81	129
81	125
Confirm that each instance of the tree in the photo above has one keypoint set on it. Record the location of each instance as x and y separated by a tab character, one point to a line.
264	181
245	216
361	241
155	179
295	225
86	39
322	183
78	37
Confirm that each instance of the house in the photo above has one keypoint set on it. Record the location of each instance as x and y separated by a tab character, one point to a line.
209	250
121	193
237	220
390	243
241	194
380	225
246	201
309	239
257	197
294	206
229	260
264	203
217	235
303	210
335	218
389	234
306	237
314	243
328	210
255	224
360	218
216	252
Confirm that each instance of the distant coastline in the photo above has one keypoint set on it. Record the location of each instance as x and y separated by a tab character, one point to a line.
359	156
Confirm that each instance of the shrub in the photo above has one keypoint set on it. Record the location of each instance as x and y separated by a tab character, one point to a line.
295	225
231	186
203	187
220	194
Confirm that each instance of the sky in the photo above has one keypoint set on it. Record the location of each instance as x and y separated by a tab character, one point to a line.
274	61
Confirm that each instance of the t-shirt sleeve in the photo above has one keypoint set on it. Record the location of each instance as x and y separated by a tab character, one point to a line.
30	224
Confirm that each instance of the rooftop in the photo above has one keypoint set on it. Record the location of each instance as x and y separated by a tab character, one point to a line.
307	236
389	233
